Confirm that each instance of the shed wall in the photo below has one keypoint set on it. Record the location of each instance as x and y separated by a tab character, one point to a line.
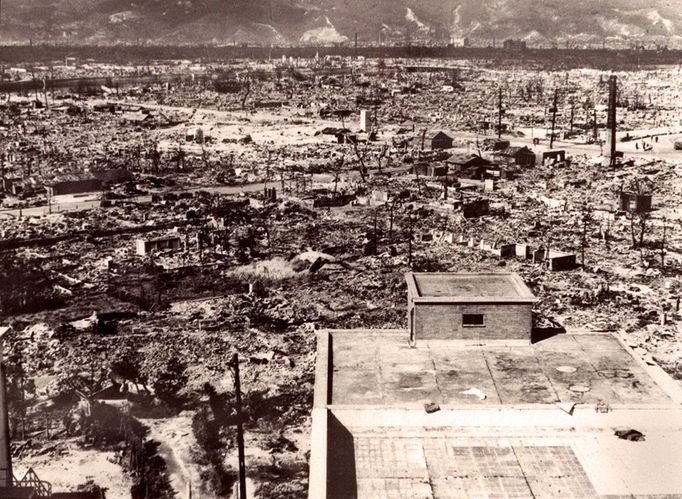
444	321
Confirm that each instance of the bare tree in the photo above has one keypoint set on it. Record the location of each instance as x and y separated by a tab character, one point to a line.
361	155
383	151
180	156
586	221
155	156
638	227
205	157
338	168
391	205
246	91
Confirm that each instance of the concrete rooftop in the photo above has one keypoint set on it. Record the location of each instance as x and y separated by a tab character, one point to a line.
515	420
382	369
468	286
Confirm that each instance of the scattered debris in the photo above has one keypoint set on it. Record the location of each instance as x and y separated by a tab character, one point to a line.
631	435
431	407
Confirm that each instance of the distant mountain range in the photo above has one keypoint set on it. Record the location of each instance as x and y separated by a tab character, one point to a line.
617	23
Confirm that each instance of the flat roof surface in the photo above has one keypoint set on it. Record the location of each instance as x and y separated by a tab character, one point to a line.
514	419
443	285
382	369
422	463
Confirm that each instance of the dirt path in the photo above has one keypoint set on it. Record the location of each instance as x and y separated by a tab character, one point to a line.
175	438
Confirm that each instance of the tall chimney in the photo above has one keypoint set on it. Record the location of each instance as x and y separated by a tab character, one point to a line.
611	120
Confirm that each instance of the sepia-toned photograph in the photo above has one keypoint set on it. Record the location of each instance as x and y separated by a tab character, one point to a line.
340	249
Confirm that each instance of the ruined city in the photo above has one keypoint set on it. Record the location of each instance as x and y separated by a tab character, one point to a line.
343	270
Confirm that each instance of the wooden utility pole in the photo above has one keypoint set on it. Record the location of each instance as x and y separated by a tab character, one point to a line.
572	114
410	223
240	428
583	241
595	131
374	235
267	173
499	114
554	109
663	241
6	477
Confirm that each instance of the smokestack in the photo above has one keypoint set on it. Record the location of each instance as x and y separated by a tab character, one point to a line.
356	40
611	120
6	477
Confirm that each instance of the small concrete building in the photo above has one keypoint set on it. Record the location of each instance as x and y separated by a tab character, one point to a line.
469	306
144	247
364	120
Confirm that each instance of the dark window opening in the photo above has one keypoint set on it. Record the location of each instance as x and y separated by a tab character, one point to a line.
473	320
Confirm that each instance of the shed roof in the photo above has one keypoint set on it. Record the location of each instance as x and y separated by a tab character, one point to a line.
474	287
467	159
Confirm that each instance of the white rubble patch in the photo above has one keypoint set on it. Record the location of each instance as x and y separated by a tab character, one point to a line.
75	468
276	35
475	392
121	17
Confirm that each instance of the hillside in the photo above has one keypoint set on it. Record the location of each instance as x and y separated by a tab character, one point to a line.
539	22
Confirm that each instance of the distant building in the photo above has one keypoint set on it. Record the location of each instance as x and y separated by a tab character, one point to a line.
227	86
440	140
495	144
511	44
473	208
468	306
135	118
430	170
12	185
81	186
634	202
143	247
346	137
113	175
462	161
520	156
554	156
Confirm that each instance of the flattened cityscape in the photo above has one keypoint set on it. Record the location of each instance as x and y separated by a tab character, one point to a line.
340	273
